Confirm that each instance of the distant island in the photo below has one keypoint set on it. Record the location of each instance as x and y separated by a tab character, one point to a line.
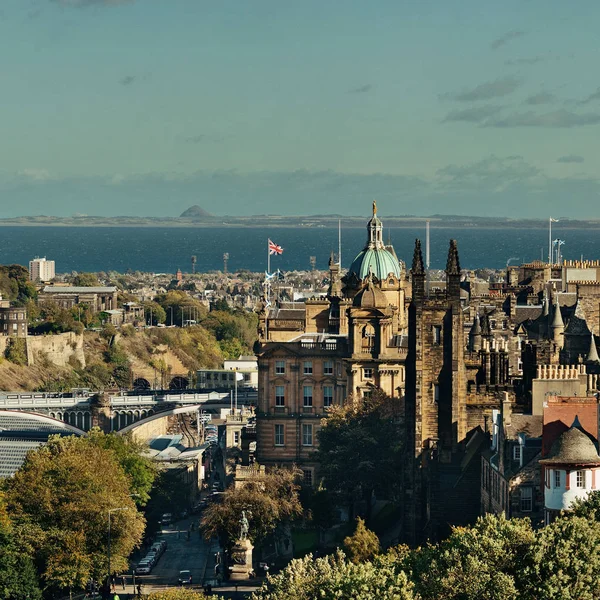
196	216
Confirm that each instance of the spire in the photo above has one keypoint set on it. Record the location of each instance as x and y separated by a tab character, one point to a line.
557	321
375	229
453	264
417	265
592	356
374	208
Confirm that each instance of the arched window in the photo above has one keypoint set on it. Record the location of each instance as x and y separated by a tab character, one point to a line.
368	337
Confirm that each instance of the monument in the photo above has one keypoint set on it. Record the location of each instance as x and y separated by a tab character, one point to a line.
241	554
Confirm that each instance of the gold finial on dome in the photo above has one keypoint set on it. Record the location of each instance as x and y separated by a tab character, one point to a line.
374	207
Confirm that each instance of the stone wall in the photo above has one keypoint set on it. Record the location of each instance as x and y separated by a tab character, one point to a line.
57	349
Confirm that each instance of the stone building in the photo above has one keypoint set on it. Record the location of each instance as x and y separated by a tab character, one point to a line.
97	298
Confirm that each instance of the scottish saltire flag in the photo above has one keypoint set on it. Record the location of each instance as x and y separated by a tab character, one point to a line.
275	248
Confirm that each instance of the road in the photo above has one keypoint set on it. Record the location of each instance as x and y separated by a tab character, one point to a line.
186	550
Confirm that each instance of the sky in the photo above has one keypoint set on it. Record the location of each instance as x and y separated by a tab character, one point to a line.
146	107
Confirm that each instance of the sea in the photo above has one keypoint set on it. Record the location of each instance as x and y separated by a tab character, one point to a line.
166	249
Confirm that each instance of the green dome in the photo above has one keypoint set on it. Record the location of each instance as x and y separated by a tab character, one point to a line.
380	261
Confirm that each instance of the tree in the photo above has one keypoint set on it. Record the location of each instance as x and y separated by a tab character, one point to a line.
267	498
483	561
59	500
334	578
18	578
16	351
564	561
154	313
129	453
588	507
85	280
363	544
360	449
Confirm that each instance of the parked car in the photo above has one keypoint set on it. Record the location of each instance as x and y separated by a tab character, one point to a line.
185	577
167	519
143	568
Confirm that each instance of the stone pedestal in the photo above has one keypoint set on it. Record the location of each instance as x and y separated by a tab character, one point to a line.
241	557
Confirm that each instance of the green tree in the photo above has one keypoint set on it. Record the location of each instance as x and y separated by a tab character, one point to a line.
335	578
85	280
18	578
483	561
564	561
588	507
154	313
129	453
16	351
268	499
363	544
59	501
360	449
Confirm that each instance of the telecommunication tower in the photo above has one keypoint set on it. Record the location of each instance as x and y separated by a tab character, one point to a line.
225	259
193	264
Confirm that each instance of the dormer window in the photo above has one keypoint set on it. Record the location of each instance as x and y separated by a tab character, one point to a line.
517	452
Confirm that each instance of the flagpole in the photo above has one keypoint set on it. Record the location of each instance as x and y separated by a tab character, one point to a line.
550	240
268	258
340	243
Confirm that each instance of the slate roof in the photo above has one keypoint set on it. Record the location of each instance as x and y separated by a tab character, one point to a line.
573	447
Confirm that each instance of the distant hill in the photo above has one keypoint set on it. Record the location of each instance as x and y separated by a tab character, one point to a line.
195	212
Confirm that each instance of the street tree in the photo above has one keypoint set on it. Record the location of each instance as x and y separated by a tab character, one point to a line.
333	578
59	501
18	577
483	561
129	453
360	449
268	499
564	561
363	544
179	594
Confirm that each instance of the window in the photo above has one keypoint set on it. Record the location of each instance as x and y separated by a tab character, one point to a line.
436	392
367	373
308	367
279	367
236	438
368	337
279	435
328	367
279	395
526	499
307	435
580	479
308	395
437	334
556	478
517	452
327	395
308	476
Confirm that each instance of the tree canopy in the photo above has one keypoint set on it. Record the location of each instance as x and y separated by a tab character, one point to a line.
364	433
59	502
268	499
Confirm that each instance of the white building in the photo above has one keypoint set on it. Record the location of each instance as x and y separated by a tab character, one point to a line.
571	471
41	269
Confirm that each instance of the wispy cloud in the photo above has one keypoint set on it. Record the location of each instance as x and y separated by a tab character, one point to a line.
82	3
363	89
35	174
592	97
473	114
127	80
554	119
507	37
570	158
512	62
202	138
541	98
490	89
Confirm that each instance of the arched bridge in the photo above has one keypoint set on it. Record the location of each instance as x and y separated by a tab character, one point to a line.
117	411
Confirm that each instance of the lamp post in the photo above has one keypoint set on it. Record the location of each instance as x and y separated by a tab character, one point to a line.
110	511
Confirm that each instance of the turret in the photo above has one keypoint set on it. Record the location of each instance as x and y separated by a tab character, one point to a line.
557	328
592	356
475	335
418	274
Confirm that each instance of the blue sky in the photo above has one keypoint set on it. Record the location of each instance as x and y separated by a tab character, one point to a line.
447	106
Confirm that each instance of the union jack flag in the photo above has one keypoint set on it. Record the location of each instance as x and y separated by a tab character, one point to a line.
275	248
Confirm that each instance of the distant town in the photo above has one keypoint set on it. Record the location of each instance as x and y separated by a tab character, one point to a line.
350	417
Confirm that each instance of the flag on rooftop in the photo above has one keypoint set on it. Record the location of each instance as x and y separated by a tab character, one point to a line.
275	248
